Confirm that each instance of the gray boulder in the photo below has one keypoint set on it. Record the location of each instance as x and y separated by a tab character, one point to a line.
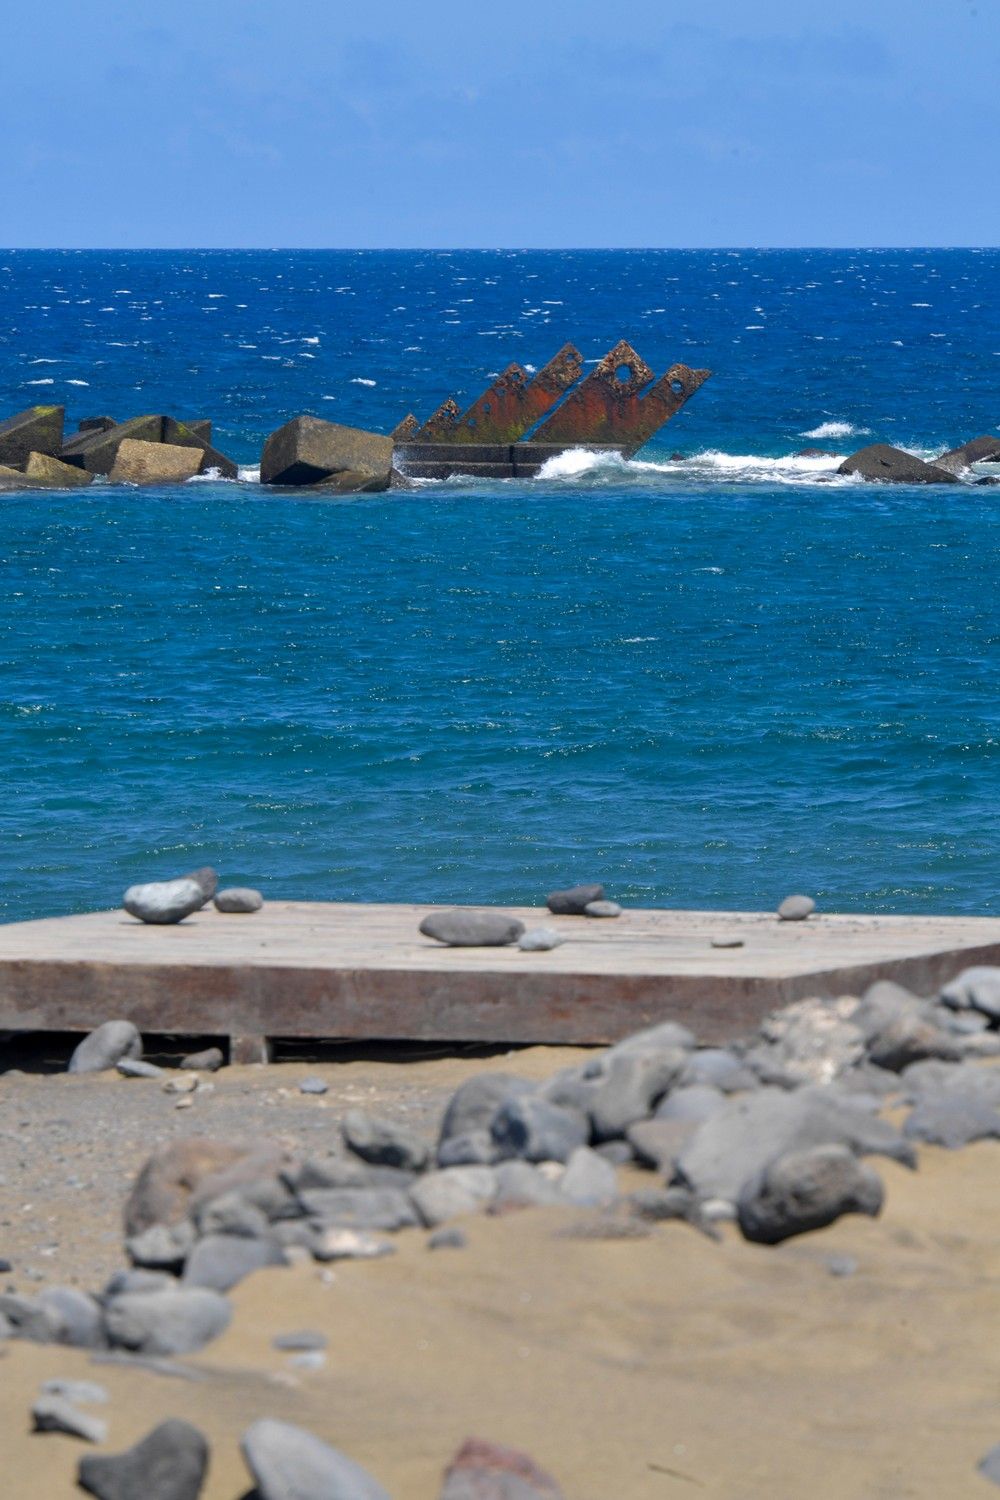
288	1463
232	1213
952	1120
238	898
170	1463
658	1143
805	1190
980	450
796	908
665	1037
574	901
161	1247
105	1047
173	1322
383	1142
588	1181
206	877
474	1148
977	988
521	1185
882	463
360	1208
540	940
719	1069
163	902
134	1067
208	1061
910	1039
452	1192
51	1413
79	1316
694	1103
476	1102
138	462
532	1128
137	1279
734	1145
631	1087
465	928
307	450
38	429
221	1261
29	1318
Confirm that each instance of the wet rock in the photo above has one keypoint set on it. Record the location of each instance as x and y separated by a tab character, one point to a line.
464	928
719	1069
134	1067
602	909
307	450
574	901
105	1047
170	1463
79	1317
162	902
536	1130
161	1247
796	908
52	1413
38	429
221	1261
632	1086
952	1120
805	1190
138	462
348	1244
288	1463
734	1145
474	1105
692	1104
980	450
384	1143
588	1181
53	474
360	1208
487	1471
208	1061
179	1176
977	988
172	1322
881	462
453	1192
238	898
540	940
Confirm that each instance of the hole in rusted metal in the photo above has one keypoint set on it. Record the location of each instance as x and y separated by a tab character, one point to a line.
623	374
677	386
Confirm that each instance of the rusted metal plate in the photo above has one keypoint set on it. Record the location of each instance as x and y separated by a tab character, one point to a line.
514	402
405	430
608	407
439	427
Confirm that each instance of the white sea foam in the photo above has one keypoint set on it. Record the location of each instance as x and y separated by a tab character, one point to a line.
249	473
832	430
78	382
40	382
360	380
710	465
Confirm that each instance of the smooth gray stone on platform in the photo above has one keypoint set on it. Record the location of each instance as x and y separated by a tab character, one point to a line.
172	1322
170	1463
805	1190
602	909
208	1061
105	1047
80	1316
532	1128
288	1463
462	928
540	940
384	1143
162	902
475	1103
360	1208
977	988
588	1181
52	1413
221	1261
573	901
796	908
207	878
134	1067
452	1192
238	898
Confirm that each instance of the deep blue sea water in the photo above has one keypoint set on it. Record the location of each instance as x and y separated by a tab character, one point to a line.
706	683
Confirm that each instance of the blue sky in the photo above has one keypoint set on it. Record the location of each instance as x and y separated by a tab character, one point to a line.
641	122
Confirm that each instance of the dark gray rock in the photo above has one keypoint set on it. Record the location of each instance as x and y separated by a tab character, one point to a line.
52	1413
288	1463
134	1067
163	902
301	1340
632	1086
980	450
952	1120
307	450
38	429
602	909
805	1190
96	424
487	1471
910	1039
237	899
474	1105
233	1213
574	901
977	988
881	462
661	1203
588	1181
105	1047
207	878
618	1153
540	940
719	1069
208	1061
172	1322
80	1319
694	1103
170	1463
384	1143
474	1148
453	1192
337	1171
536	1130
360	1208
29	1318
465	928
221	1261
734	1145
137	1280
796	908
162	1247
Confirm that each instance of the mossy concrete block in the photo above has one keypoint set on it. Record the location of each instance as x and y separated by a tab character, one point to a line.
39	429
187	435
53	474
96	451
154	463
16	479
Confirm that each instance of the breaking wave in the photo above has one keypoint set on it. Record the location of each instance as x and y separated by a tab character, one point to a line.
709	466
833	430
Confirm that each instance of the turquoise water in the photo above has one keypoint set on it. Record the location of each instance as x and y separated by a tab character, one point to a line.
706	683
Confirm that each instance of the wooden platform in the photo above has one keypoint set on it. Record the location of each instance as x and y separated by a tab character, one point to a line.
313	969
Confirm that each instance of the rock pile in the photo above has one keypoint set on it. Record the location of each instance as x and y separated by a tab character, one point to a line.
163	902
882	463
156	449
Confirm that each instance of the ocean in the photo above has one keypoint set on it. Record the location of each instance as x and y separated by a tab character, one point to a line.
706	682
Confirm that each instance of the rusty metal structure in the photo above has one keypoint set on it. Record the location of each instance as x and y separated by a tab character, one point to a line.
520	421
